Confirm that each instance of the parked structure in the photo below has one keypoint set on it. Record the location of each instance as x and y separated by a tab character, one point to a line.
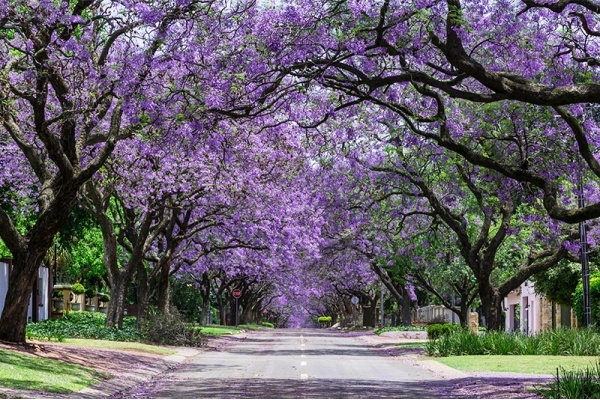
529	312
40	304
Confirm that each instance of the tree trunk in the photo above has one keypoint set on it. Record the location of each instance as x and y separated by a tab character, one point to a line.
463	316
404	306
28	252
143	293
205	291
369	317
232	312
221	306
491	307
116	306
22	278
164	290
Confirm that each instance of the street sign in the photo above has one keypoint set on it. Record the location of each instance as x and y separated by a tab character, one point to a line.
354	300
237	293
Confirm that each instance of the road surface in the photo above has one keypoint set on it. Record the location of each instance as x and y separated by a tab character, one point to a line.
296	364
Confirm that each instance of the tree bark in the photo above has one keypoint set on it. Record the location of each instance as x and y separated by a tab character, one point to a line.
164	287
405	306
491	305
205	290
369	316
143	293
116	306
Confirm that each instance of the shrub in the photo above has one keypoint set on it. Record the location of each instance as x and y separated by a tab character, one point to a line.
104	298
454	343
324	319
268	324
85	325
568	342
594	298
170	329
91	292
78	288
577	384
435	331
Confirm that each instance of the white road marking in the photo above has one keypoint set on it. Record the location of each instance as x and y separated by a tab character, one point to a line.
302	355
302	345
304	376
303	364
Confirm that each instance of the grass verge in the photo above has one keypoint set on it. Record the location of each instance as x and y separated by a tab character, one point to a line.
216	330
20	371
254	327
121	346
412	344
524	364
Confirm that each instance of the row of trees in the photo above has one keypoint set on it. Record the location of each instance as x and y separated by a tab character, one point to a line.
309	147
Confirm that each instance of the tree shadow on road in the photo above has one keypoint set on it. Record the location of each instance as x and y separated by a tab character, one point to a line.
472	387
293	389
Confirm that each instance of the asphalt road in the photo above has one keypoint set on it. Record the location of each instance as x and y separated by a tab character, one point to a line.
296	364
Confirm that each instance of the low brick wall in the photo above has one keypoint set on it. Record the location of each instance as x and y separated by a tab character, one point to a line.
420	335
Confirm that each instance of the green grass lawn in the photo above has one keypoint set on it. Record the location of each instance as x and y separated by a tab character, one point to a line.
121	346
412	344
217	330
19	371
526	364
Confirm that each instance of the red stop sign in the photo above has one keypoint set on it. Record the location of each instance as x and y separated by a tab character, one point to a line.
237	293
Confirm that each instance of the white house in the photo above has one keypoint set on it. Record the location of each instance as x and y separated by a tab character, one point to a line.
40	306
528	312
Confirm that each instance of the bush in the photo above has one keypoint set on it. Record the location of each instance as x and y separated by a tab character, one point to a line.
267	324
84	325
568	342
594	298
105	298
401	328
78	288
435	331
324	319
577	384
90	292
171	330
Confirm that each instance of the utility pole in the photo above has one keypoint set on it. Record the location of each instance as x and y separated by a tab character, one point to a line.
381	306
585	267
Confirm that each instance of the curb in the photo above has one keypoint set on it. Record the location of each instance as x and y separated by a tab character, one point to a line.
442	370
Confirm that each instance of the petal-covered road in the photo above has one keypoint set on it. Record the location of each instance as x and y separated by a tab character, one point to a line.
318	364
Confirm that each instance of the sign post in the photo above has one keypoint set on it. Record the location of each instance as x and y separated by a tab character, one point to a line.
237	293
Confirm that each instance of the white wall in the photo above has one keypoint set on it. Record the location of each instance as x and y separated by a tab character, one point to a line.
44	309
530	303
3	284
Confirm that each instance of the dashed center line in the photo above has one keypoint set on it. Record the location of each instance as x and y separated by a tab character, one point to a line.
303	364
304	376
